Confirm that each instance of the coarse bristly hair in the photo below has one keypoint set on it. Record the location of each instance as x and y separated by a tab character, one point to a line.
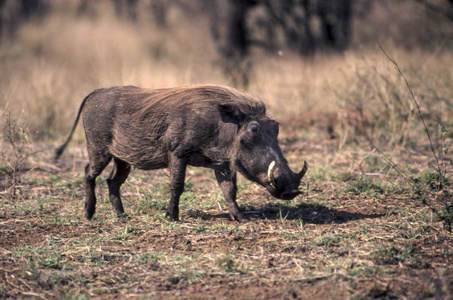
172	115
191	94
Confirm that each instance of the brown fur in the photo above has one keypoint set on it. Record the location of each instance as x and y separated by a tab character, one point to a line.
161	109
209	126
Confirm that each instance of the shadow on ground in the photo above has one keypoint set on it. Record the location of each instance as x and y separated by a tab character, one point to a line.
309	213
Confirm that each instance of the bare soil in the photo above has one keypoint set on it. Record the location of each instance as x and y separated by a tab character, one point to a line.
328	244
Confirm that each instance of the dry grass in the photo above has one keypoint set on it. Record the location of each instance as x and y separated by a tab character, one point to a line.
348	236
51	67
357	232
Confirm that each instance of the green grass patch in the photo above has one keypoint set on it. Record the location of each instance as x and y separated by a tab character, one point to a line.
230	264
391	255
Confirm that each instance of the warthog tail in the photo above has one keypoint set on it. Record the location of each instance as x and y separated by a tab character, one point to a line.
59	151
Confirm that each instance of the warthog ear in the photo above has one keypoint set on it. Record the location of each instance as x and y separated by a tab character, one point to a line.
230	113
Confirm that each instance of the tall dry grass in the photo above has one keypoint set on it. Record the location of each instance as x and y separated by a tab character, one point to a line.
53	64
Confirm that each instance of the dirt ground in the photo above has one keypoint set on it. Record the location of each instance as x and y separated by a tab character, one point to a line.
328	244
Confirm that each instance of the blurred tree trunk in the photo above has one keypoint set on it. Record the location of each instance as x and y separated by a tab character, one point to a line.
126	9
32	8
335	18
294	18
2	20
228	29
438	8
159	9
14	12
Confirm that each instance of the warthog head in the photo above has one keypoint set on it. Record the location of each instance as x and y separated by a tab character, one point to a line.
257	154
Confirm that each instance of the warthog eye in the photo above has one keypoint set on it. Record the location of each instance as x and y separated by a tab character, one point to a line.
251	135
254	127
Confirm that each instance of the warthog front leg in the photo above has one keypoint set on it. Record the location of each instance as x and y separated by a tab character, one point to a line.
177	168
228	183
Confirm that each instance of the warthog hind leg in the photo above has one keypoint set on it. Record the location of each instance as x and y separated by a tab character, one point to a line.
117	177
92	170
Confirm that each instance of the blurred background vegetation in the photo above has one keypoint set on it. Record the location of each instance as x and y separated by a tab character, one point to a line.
343	106
316	63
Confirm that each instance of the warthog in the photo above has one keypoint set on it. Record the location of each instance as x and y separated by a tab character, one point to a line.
205	126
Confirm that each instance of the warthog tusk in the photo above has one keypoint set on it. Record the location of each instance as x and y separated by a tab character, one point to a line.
270	174
302	172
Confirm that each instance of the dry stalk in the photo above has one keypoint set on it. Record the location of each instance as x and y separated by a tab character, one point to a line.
416	105
447	214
